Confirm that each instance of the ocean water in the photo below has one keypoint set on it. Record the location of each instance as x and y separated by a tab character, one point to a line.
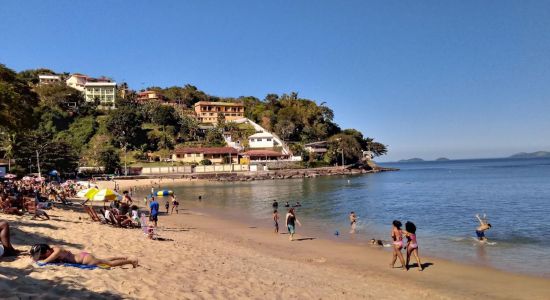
441	198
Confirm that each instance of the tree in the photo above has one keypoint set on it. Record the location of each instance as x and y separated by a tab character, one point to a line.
59	95
376	148
124	124
17	101
346	143
109	160
7	145
53	154
214	137
79	133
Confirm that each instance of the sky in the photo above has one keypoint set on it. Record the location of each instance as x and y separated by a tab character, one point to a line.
459	79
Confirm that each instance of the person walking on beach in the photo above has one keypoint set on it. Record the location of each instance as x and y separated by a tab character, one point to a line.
154	206
291	222
397	237
276	221
167	206
412	245
352	221
175	204
483	226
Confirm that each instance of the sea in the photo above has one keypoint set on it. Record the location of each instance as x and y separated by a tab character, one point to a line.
441	198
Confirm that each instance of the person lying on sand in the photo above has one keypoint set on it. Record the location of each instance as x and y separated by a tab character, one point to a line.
47	254
40	214
483	226
5	240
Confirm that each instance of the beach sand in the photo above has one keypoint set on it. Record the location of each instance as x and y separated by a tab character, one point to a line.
202	257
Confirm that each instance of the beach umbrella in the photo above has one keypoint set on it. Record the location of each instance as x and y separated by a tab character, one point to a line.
106	195
87	193
10	176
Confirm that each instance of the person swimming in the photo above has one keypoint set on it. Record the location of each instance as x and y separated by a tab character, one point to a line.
287	205
483	226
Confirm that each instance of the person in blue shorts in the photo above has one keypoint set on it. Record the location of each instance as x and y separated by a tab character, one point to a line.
154	206
483	226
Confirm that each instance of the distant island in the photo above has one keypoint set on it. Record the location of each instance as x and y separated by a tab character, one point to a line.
411	160
538	154
442	159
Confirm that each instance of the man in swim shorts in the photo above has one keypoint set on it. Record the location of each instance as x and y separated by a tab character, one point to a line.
154	206
483	226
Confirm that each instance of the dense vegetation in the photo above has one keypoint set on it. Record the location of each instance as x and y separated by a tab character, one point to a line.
54	123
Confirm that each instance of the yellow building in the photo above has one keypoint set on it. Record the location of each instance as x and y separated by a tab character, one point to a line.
217	155
208	112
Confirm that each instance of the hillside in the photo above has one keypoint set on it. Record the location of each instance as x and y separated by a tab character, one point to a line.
538	154
442	159
411	160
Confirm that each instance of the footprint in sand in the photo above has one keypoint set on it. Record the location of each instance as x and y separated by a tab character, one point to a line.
319	260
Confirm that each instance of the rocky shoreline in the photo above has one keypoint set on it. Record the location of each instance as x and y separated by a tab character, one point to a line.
276	174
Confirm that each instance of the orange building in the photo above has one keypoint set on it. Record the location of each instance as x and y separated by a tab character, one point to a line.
208	112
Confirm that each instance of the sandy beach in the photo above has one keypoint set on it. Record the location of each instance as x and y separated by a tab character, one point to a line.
202	257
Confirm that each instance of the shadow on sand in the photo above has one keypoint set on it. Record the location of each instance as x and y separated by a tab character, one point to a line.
17	284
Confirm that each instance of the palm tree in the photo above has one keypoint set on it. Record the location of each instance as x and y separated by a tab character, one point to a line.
7	146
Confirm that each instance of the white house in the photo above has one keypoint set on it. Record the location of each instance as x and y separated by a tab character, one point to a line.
77	81
105	92
48	79
261	140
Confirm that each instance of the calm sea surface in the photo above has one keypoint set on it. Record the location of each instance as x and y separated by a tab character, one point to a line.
441	198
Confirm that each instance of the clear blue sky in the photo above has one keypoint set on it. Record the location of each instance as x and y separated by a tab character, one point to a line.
439	78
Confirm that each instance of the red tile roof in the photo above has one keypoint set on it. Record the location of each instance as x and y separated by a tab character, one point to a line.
264	153
206	150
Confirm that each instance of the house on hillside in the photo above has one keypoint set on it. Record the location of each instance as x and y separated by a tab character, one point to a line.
262	140
217	155
208	112
77	81
103	91
149	96
317	149
48	79
255	156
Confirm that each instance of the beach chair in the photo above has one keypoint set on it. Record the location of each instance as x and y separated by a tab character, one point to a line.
149	231
114	219
90	212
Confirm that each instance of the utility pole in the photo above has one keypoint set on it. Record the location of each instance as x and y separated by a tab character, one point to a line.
38	163
343	163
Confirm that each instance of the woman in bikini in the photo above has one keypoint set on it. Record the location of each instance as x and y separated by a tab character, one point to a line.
397	237
49	254
412	245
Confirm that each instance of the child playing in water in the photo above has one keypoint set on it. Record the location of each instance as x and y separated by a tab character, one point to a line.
47	254
276	221
483	226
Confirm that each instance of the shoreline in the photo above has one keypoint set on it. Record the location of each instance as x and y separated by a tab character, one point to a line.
204	256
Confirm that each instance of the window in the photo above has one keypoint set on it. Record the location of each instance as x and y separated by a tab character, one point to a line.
269	139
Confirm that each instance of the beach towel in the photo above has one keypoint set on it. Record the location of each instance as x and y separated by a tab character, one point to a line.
80	266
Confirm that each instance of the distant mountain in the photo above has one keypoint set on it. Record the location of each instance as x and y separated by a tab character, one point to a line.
538	154
411	160
442	159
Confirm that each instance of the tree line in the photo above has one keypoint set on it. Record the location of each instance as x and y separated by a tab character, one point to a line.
54	123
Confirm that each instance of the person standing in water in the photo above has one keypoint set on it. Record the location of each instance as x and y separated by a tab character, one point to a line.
412	245
175	204
276	220
483	226
397	237
352	221
291	222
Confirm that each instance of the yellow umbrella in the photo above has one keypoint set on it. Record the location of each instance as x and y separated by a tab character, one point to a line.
106	195
87	193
